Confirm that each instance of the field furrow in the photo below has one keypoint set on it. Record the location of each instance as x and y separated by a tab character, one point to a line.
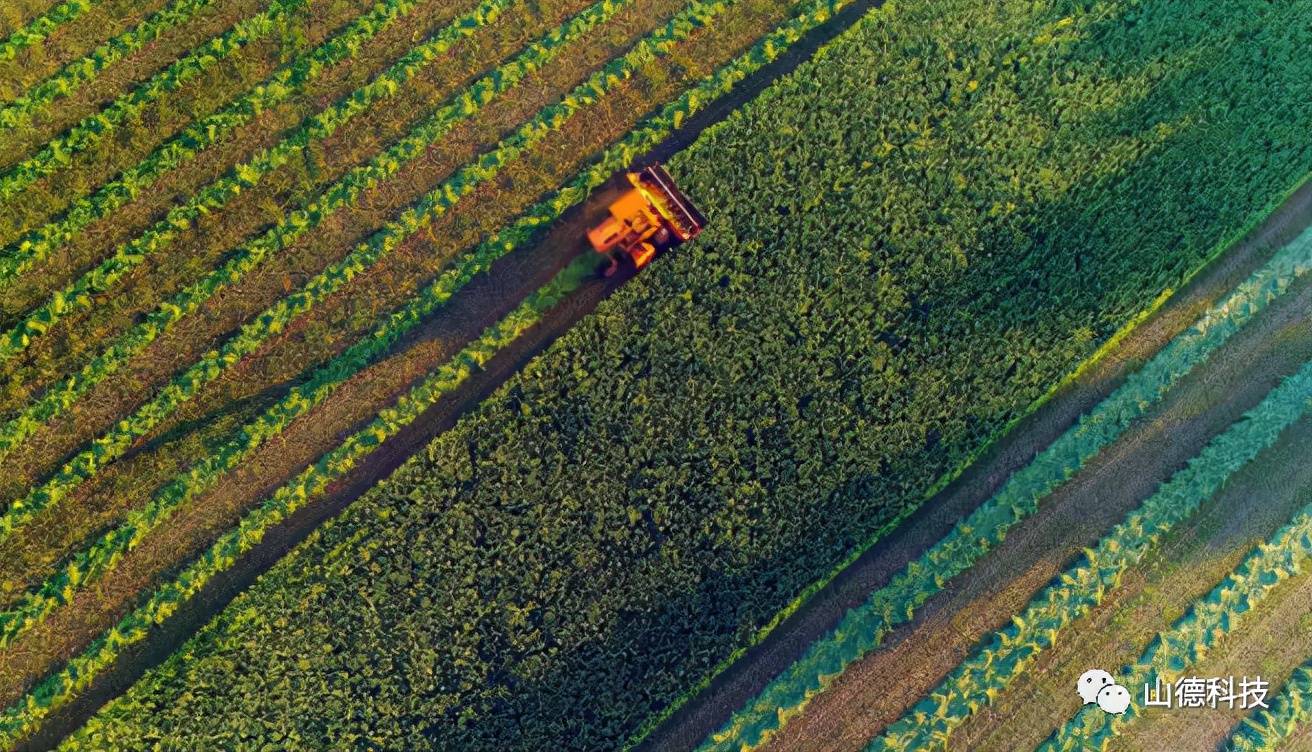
108	447
283	85
89	131
100	556
1289	714
1175	652
342	459
36	30
14	113
82	293
1012	650
864	627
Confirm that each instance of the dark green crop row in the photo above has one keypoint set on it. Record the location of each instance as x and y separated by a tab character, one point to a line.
89	564
864	627
43	26
902	255
59	152
199	136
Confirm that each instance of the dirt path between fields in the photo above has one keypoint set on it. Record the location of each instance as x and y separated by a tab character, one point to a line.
1255	502
480	304
1079	514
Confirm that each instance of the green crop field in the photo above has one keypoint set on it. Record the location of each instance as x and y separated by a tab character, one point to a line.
257	255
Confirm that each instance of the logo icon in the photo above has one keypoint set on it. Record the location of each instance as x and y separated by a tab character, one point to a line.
1098	686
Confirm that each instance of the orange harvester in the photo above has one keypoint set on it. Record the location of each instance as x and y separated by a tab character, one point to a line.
652	214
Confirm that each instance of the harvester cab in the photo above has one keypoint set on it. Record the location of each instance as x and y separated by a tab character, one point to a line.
652	215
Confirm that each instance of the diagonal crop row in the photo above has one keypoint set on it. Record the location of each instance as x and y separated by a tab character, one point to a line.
57	690
199	136
345	192
43	26
864	627
78	295
102	555
1011	650
78	72
1267	729
21	719
1221	612
59	153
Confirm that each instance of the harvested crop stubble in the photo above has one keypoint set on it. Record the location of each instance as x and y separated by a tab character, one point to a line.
823	340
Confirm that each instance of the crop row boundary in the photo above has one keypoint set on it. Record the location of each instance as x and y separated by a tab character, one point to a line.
85	69
269	322
40	28
23	717
1209	619
1267	729
80	294
60	151
996	661
102	555
985	448
284	83
863	627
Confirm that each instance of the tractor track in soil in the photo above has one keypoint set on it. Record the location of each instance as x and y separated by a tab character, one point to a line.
482	302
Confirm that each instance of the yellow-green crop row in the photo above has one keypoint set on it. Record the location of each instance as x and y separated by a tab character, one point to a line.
57	690
90	563
79	294
1011	650
199	136
78	72
43	26
59	152
290	227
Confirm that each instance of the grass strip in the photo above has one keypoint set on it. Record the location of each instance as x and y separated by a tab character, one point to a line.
41	27
92	562
23	717
1267	729
56	400
1011	650
864	627
59	153
199	136
1221	612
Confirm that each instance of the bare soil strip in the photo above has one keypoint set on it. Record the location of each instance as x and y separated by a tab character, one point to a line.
1255	503
921	653
72	40
96	608
474	308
